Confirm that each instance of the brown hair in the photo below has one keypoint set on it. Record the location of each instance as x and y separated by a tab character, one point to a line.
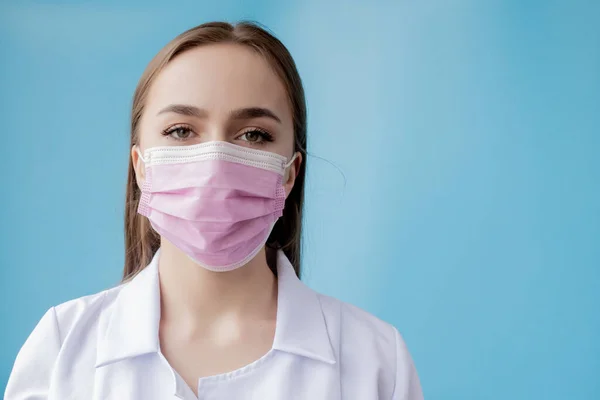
141	241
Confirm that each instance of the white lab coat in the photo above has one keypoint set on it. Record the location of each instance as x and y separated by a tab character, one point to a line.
105	346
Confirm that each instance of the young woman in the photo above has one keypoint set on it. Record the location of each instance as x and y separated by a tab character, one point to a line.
211	305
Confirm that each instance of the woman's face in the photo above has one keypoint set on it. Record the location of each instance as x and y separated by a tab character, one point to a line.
223	92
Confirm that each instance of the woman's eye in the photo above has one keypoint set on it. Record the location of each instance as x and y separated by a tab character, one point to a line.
256	136
179	132
252	136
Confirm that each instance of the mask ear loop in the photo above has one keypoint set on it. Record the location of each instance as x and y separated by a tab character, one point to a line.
286	165
137	150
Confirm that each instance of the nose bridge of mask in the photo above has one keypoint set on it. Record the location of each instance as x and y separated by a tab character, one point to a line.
284	167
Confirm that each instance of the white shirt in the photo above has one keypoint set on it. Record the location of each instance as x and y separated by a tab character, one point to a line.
106	346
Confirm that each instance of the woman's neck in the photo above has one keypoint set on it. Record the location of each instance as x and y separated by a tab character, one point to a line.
198	297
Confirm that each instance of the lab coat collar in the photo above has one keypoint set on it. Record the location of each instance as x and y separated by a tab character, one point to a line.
133	322
300	326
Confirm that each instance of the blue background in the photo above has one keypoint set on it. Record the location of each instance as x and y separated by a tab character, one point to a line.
453	189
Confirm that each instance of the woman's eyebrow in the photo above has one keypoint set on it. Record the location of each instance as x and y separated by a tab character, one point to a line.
183	109
242	113
254	112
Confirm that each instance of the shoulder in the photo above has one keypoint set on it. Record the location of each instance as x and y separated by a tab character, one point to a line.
369	346
360	328
84	310
78	316
65	330
64	317
70	320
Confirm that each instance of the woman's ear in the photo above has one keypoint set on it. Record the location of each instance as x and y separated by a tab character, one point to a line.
138	165
292	172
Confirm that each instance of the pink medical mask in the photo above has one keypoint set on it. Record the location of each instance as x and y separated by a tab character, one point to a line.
216	201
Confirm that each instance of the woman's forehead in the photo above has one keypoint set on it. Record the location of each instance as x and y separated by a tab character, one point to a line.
222	76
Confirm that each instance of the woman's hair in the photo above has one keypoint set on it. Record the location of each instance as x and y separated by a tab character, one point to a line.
141	241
